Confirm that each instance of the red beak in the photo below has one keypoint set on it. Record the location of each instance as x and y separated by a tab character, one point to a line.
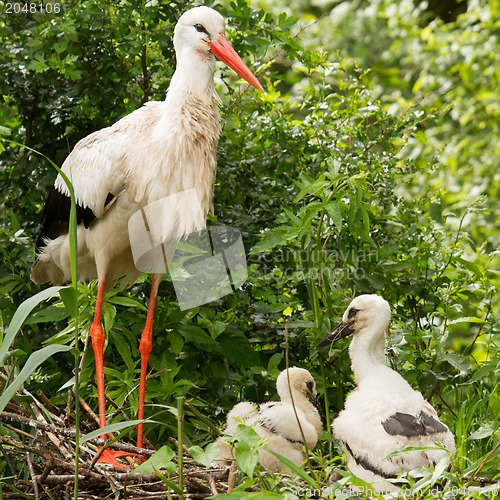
223	50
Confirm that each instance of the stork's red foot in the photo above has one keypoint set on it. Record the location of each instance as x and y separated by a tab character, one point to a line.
109	457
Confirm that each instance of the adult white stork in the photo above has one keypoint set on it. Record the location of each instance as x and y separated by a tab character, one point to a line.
277	420
161	149
383	414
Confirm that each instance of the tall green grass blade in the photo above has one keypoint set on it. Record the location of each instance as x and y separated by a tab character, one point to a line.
20	316
170	484
180	447
29	367
296	469
73	251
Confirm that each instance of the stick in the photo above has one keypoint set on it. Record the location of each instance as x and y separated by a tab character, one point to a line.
33	477
199	416
232	479
481	465
291	396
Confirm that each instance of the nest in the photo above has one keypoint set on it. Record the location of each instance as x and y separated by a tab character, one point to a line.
43	439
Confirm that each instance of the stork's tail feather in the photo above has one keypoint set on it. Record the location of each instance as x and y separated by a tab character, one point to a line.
44	270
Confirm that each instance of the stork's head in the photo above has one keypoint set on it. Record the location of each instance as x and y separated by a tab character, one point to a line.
301	383
303	387
364	311
202	30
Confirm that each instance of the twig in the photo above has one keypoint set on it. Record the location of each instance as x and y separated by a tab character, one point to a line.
176	443
232	479
52	436
445	402
48	402
49	465
482	480
7	460
33	477
291	395
482	464
213	486
199	416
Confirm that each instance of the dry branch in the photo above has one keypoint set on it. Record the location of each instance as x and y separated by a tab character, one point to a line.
41	436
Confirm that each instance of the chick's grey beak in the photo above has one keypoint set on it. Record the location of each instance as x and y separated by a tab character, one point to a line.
342	330
315	402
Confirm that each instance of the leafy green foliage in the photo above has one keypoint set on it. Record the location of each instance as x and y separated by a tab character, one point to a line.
374	175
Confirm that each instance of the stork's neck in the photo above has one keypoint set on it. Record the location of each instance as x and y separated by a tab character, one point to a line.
303	403
367	353
194	74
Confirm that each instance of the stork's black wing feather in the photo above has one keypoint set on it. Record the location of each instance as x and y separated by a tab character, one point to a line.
55	217
432	426
367	465
404	424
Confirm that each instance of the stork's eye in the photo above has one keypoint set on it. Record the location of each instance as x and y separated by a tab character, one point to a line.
352	312
200	28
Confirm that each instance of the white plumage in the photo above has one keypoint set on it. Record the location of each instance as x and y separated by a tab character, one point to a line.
383	414
277	422
158	150
161	150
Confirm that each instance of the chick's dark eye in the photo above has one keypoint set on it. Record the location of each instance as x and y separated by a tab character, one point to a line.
200	28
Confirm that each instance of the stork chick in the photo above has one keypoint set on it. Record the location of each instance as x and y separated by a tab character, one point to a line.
277	422
383	414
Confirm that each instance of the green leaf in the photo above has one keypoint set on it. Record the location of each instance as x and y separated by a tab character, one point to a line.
466	319
162	459
335	213
427	381
127	302
483	432
412	449
246	457
193	333
176	342
207	456
296	469
68	296
274	361
247	434
169	483
20	315
271	238
461	363
32	363
420	135
112	428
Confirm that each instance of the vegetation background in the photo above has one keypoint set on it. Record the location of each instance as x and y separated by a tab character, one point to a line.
370	165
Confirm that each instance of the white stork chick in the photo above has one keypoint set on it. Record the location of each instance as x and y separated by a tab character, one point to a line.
383	414
277	422
157	151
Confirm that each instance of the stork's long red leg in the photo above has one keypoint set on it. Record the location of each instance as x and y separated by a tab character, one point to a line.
98	340
145	348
